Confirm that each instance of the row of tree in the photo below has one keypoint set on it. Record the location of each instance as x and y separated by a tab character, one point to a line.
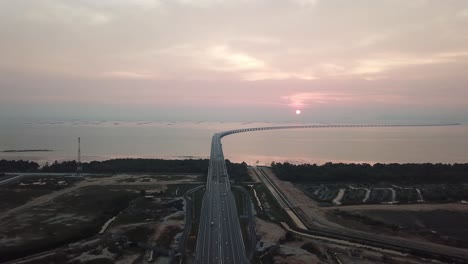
132	165
18	166
237	171
124	165
341	172
111	166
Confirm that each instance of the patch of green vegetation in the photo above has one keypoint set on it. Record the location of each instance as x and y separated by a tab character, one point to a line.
239	198
238	172
197	198
241	202
364	219
272	211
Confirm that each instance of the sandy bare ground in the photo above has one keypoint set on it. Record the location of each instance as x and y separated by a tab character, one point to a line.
292	192
269	232
162	226
87	257
403	207
297	198
129	259
295	255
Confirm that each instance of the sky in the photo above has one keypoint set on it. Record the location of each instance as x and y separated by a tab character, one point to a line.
242	60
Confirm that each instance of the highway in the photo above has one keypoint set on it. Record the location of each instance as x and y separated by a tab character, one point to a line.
219	236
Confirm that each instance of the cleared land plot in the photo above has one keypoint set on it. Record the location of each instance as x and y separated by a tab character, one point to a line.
14	197
439	223
81	212
154	178
18	193
322	193
386	193
449	227
148	210
4	176
74	216
128	239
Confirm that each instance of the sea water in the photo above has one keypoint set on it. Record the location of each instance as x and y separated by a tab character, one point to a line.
102	140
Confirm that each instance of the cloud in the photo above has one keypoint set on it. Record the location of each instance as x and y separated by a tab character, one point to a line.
249	68
234	61
372	39
277	75
463	14
305	2
305	99
67	12
387	62
128	75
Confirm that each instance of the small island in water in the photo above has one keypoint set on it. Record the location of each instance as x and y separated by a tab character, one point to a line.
25	150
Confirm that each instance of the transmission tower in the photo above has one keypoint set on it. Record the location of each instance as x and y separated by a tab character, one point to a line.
78	167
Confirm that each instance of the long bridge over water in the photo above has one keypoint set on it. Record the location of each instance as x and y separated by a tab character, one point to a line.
220	238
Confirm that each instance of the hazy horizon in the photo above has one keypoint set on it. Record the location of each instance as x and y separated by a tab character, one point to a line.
234	60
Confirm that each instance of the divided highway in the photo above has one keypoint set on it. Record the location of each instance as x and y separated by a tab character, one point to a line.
219	235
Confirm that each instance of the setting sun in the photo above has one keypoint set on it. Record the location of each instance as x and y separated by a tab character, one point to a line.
298	112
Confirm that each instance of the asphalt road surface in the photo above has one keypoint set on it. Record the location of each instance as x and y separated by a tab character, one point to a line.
219	235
